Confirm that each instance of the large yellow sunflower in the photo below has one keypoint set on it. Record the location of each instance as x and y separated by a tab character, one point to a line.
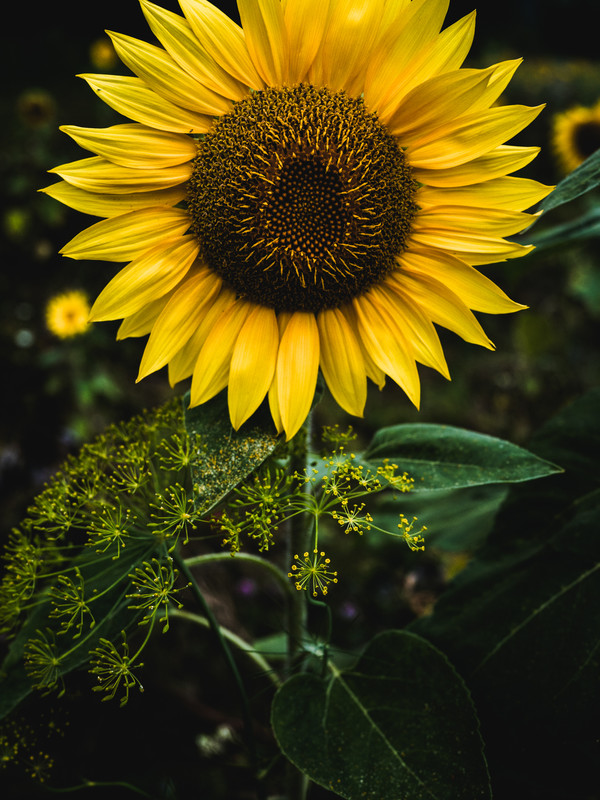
311	190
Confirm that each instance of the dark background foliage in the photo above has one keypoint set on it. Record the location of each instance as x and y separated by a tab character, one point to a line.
58	394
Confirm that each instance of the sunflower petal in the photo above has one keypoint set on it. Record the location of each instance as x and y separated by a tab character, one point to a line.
156	68
252	364
98	175
140	323
211	371
421	332
387	70
222	39
305	22
348	40
342	363
147	278
441	305
127	236
132	98
178	320
182	364
514	194
487	221
474	289
497	163
473	248
297	370
383	338
178	39
266	38
470	136
111	205
134	145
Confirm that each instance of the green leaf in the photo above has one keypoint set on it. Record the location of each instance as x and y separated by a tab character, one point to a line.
224	457
580	229
457	520
582	180
400	724
445	457
521	622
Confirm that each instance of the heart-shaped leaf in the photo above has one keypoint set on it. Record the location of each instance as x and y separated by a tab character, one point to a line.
400	724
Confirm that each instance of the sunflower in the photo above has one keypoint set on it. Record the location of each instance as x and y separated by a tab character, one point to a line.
575	135
311	190
67	314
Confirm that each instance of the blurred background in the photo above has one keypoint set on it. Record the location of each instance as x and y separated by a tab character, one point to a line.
59	392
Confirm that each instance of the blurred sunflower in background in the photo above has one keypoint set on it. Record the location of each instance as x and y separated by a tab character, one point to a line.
309	190
575	135
67	314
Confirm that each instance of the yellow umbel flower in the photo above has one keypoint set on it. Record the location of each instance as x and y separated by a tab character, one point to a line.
575	135
309	190
67	314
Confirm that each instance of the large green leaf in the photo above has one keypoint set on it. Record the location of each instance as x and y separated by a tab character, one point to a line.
224	457
522	622
580	229
582	180
445	457
399	724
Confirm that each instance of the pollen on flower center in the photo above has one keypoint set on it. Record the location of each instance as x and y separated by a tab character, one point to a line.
300	198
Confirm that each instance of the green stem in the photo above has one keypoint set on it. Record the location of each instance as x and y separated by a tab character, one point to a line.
279	575
216	628
233	639
296	612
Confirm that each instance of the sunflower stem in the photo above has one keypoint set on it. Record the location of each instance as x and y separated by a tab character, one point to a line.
297	542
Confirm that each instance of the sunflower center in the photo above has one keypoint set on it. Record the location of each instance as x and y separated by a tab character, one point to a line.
300	198
587	138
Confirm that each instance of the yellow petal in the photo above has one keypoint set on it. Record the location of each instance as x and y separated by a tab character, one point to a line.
127	236
134	99
487	221
147	278
342	363
222	39
179	319
98	175
305	22
211	372
282	320
252	364
134	145
388	68
178	39
419	331
266	38
437	101
473	248
297	370
382	337
474	289
498	162
111	205
441	305
182	364
140	323
349	37
470	136
156	68
515	194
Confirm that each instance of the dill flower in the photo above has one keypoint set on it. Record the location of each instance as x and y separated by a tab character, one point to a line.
575	135
67	314
311	190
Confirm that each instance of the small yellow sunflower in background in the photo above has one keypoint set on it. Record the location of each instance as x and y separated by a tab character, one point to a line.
575	135
309	190
67	314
